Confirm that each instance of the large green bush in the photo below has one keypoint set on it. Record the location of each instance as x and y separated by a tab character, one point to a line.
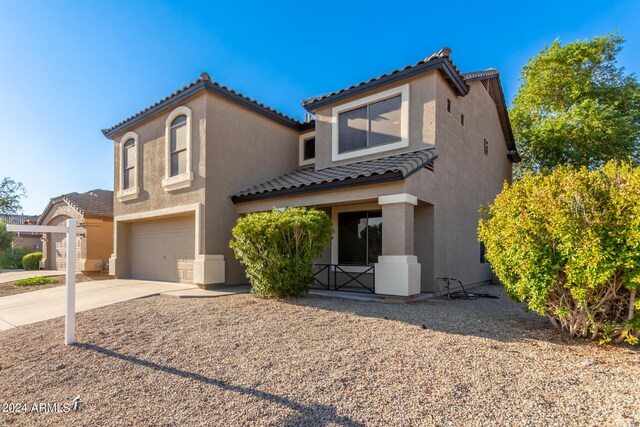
32	261
568	244
12	258
279	248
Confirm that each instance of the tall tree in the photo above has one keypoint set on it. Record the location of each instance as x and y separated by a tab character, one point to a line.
575	106
10	194
5	238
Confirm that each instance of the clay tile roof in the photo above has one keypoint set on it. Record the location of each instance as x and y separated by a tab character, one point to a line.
308	179
480	75
440	59
94	203
203	83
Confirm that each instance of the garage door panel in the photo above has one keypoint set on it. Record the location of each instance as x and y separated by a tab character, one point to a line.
163	250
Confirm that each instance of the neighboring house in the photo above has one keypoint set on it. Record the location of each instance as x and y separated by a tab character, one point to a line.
93	212
401	163
32	241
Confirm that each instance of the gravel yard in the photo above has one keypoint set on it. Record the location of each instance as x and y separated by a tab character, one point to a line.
316	361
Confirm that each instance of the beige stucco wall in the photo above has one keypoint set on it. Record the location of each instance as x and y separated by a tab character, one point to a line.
151	163
422	118
233	148
463	179
99	241
244	148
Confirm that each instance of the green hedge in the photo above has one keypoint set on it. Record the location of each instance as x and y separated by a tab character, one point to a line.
32	261
568	244
279	247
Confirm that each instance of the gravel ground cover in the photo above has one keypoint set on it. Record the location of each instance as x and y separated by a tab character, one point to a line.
9	288
316	361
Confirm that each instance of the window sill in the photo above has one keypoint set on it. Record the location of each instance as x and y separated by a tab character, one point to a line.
178	182
373	150
128	194
307	162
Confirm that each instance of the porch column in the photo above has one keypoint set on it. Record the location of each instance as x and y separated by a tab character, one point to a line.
397	269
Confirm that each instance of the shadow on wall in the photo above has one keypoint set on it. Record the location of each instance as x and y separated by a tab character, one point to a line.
500	319
317	415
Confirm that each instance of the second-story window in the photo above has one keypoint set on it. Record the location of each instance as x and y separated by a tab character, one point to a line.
129	164
129	185
307	149
370	125
178	142
179	145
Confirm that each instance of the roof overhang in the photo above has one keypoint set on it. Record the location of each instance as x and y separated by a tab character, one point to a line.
443	64
196	88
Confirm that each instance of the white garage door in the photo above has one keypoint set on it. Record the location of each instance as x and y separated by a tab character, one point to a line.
163	250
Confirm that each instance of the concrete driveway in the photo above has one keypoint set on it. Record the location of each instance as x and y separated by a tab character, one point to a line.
36	306
13	275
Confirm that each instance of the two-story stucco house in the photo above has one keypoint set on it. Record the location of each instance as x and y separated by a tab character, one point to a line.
401	163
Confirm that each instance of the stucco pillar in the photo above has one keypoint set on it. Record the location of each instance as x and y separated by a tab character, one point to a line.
397	269
118	265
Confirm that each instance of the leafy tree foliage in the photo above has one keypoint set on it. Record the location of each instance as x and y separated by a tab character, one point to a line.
279	248
576	107
10	194
568	244
12	258
5	237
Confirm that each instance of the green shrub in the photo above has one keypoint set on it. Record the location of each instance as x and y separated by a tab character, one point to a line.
279	248
12	258
32	261
568	244
35	281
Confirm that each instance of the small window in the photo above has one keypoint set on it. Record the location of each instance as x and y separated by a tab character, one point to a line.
179	145
483	250
448	105
309	149
486	147
462	119
359	237
128	164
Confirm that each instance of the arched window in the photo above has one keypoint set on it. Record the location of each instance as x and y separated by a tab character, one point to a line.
178	167
129	164
179	146
129	186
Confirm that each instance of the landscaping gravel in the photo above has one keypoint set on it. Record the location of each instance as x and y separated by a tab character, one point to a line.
313	361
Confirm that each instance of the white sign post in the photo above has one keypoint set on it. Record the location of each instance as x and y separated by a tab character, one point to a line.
70	230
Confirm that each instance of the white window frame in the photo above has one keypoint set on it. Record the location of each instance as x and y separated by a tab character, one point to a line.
404	124
302	139
133	191
183	180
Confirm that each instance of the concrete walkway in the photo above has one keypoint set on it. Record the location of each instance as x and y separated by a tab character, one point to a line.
36	306
13	275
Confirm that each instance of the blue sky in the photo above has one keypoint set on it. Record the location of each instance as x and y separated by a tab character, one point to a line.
70	69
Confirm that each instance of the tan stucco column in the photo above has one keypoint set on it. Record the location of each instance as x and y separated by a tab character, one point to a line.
397	269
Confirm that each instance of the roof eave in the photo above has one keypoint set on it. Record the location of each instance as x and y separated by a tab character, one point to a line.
192	90
443	64
326	186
